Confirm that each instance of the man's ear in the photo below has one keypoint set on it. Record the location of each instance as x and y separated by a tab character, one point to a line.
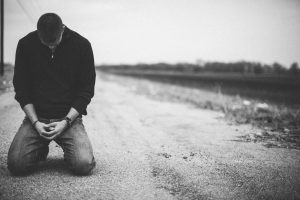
63	28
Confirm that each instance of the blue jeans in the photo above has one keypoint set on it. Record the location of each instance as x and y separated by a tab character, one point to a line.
28	148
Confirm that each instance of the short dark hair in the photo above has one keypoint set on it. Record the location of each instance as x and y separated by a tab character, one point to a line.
49	27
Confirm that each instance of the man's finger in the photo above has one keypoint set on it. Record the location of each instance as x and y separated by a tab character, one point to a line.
44	137
45	133
48	129
49	133
54	136
46	125
51	128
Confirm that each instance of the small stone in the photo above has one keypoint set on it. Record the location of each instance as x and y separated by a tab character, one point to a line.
246	103
239	184
192	154
286	130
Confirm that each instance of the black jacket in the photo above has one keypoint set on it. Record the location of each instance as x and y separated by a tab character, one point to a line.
54	83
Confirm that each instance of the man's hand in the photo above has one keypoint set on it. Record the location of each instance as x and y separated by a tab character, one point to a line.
43	129
55	129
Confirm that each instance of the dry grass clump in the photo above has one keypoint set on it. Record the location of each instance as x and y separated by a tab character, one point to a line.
280	125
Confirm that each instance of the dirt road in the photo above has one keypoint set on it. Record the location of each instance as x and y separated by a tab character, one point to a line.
147	149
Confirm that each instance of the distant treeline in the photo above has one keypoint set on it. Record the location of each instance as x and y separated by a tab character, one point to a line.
234	67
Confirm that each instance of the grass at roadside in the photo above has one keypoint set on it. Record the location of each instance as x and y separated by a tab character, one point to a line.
6	80
280	124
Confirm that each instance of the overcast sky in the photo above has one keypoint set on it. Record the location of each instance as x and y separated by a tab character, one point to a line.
133	31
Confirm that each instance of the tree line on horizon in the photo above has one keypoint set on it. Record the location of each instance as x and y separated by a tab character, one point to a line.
242	67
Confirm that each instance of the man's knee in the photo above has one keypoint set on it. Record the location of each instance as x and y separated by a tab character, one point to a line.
83	165
17	165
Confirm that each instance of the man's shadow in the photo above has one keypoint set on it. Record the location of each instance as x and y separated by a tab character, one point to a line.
52	165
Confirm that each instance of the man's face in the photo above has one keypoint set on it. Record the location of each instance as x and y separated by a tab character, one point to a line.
56	42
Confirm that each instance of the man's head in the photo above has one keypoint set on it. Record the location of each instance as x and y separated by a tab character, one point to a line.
50	29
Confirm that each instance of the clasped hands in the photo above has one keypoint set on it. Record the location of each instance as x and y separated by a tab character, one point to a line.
52	130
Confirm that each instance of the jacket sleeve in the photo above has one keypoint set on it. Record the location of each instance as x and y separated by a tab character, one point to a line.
86	82
21	79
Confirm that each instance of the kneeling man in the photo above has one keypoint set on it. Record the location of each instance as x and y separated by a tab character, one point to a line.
54	82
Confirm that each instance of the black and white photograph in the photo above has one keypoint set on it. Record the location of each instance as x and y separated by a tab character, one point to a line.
150	99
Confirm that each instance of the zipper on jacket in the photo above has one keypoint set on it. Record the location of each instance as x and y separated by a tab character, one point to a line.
52	53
